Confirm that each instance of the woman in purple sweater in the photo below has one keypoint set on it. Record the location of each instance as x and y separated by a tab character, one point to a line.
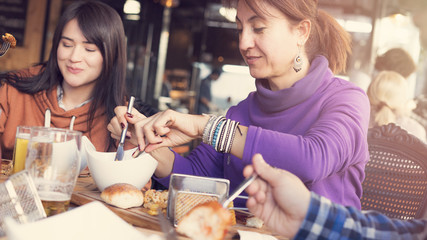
301	118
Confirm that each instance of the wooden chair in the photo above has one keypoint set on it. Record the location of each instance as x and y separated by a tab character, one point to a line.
396	174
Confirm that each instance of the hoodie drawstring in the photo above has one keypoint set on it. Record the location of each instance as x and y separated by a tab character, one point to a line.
73	118
47	116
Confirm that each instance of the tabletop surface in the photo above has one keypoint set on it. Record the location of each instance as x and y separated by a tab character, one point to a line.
86	191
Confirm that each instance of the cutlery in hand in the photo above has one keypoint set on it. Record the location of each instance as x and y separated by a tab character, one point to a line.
139	152
120	150
239	190
4	47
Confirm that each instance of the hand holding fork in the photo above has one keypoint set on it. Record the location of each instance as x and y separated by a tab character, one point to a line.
9	41
4	47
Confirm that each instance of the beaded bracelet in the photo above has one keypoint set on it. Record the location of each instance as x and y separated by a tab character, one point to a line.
219	132
208	127
226	140
219	147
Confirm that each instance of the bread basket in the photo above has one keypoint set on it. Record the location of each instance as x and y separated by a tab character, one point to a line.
187	191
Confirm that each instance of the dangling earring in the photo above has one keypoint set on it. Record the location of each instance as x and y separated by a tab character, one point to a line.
298	61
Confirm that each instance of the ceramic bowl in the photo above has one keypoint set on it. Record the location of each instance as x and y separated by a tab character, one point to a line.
105	171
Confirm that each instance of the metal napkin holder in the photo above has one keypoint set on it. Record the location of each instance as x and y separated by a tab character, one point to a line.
202	188
19	200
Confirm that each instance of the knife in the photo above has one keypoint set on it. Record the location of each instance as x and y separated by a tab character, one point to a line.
120	150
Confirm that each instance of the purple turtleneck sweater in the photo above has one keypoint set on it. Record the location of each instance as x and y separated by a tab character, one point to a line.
315	129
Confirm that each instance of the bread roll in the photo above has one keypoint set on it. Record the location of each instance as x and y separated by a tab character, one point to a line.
208	221
254	222
123	195
159	198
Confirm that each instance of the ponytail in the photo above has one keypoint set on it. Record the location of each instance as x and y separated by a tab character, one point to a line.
328	38
388	95
384	116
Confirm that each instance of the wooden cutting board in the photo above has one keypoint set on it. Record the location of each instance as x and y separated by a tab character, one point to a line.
86	192
136	216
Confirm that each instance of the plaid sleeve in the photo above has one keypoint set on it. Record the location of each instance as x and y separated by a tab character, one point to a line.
327	220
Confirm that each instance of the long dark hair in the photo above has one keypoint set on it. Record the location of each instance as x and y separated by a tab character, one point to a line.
327	37
101	25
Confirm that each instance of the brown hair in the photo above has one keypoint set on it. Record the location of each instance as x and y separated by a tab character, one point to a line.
326	38
101	25
398	60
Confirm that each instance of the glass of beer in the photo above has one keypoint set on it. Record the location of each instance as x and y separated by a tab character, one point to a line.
53	161
20	151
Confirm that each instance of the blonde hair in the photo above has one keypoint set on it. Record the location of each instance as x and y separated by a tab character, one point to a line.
389	97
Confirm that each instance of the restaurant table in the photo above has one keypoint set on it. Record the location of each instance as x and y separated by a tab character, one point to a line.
86	191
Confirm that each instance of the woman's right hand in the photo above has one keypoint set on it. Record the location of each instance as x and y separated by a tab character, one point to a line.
135	120
118	122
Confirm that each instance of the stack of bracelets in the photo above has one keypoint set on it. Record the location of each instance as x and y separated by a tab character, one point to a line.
219	133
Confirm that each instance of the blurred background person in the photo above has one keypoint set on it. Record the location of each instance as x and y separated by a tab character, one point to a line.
394	59
397	60
205	95
361	77
390	103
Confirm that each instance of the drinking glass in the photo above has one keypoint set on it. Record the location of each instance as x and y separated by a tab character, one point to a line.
20	151
6	167
53	161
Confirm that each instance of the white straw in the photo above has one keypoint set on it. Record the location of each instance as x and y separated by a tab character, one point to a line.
47	118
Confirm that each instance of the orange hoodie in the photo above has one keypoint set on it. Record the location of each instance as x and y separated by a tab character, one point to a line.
17	108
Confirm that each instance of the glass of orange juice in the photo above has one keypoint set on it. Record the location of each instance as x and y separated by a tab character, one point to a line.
20	151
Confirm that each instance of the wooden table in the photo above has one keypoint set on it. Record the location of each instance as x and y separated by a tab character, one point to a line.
86	191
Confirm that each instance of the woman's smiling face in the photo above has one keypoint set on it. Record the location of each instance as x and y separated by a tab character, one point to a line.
79	61
267	42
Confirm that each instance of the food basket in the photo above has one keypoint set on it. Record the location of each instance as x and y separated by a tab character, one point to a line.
19	200
187	191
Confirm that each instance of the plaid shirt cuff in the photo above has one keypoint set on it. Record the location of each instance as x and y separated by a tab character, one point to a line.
326	220
316	224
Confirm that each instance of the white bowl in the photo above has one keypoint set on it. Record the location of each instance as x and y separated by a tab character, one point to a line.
105	171
83	162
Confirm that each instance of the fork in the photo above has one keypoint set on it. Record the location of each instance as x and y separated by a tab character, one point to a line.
4	47
239	190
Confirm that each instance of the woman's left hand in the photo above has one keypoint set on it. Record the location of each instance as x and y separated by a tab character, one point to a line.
169	129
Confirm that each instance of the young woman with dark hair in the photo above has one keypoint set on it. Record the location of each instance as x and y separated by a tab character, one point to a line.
80	84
